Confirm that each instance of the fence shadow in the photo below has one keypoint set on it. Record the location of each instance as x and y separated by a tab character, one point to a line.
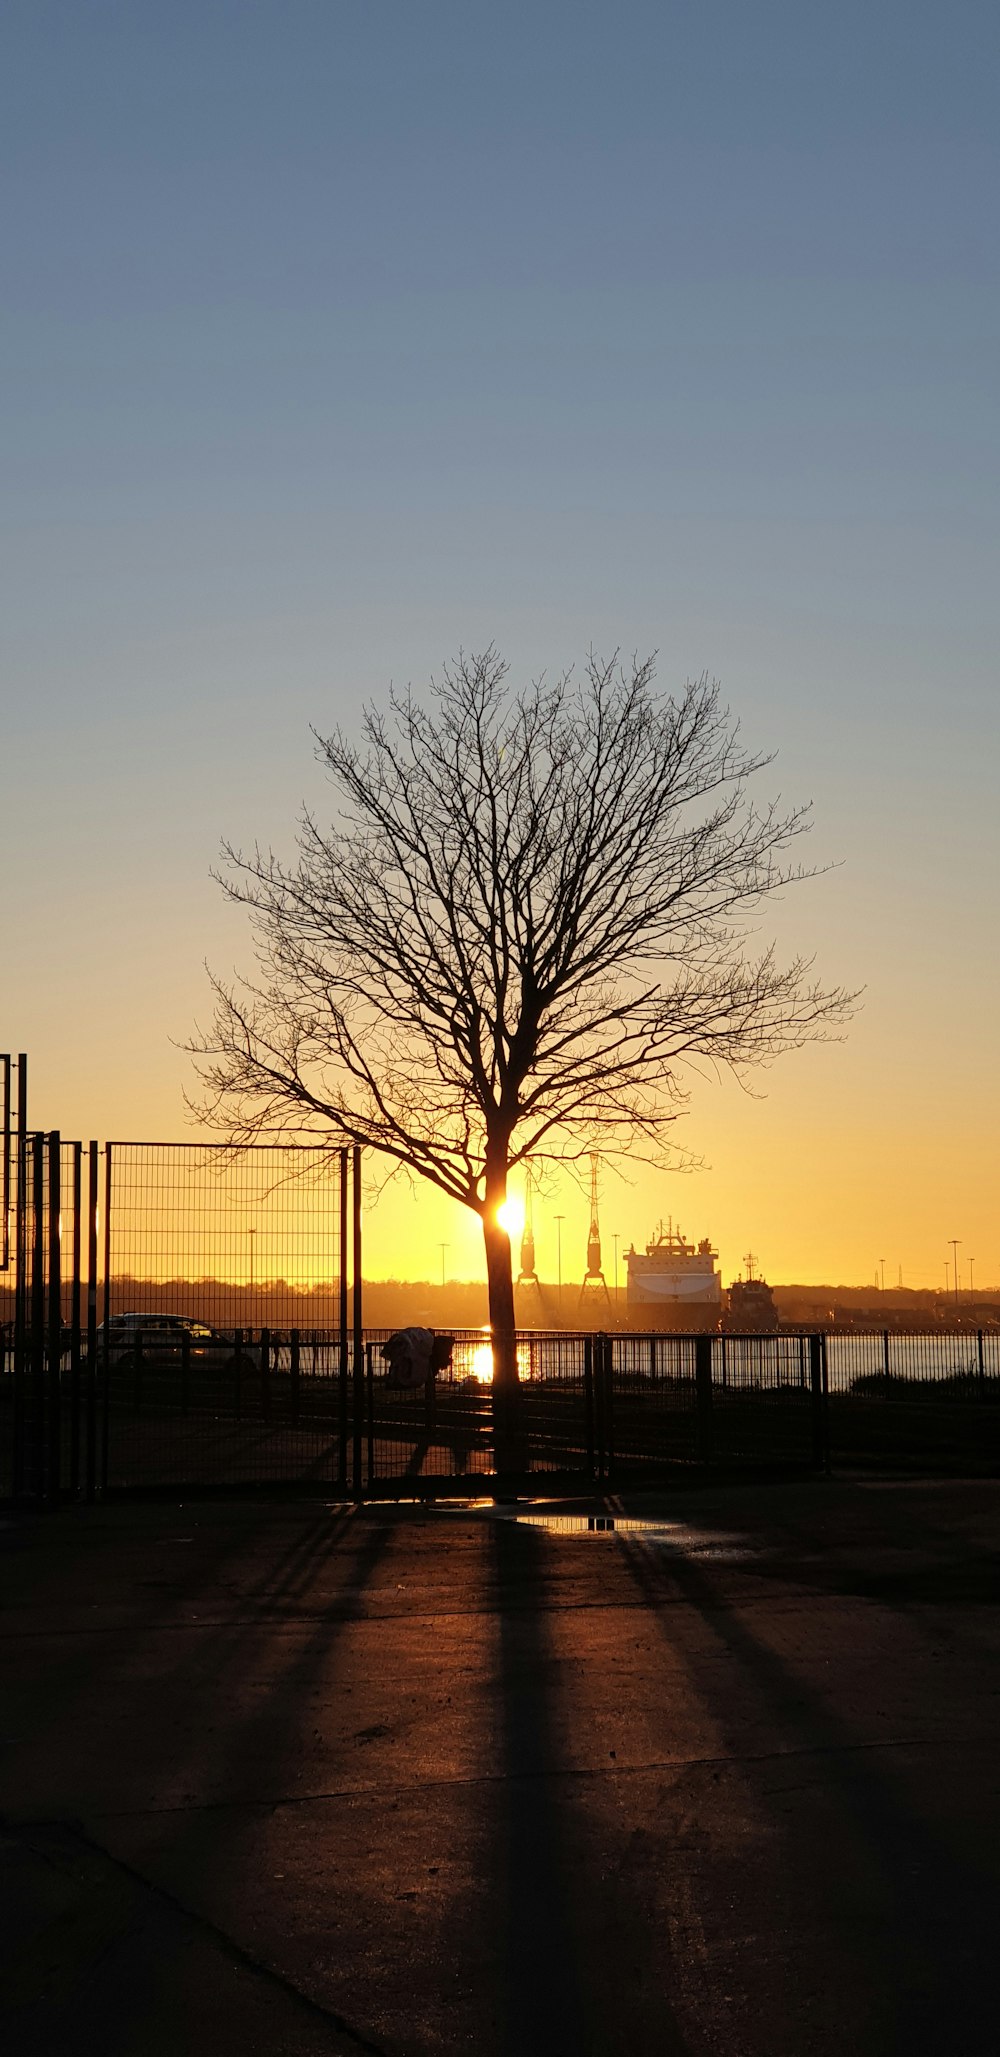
922	1955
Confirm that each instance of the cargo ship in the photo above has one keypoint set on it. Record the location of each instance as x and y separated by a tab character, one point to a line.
673	1284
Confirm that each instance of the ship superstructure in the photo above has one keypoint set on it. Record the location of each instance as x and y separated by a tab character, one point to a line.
674	1284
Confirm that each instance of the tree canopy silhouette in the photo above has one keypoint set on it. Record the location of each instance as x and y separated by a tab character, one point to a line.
530	914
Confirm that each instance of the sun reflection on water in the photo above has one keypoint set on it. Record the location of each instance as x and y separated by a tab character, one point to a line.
479	1362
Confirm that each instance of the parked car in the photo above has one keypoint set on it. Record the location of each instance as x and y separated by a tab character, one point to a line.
161	1336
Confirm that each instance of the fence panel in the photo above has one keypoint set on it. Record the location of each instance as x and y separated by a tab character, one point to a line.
926	1401
239	1238
254	1408
655	1402
764	1408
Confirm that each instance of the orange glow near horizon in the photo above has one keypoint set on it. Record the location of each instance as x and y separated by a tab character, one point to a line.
839	1163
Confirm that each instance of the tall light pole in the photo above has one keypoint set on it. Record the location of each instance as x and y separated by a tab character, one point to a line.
616	1239
559	1219
443	1247
954	1241
881	1264
971	1290
251	1232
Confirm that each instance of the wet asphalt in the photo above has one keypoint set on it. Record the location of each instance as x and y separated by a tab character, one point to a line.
710	1772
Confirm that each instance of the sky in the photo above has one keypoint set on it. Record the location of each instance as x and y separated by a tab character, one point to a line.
336	337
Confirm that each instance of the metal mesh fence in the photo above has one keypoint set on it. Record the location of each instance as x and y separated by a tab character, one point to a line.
885	1364
237	1238
251	1408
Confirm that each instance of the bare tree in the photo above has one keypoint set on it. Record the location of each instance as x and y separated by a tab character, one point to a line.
531	915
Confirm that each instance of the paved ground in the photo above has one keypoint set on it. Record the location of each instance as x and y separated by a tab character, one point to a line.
288	1778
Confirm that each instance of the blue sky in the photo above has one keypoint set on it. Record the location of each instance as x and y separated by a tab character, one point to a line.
334	336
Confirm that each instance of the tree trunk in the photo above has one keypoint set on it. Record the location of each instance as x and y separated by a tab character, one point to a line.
499	1275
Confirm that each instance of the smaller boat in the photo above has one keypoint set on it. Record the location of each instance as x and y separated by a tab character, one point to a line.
751	1310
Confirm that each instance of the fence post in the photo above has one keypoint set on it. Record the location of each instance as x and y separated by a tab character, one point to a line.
74	1323
106	1409
37	1314
92	1322
359	1353
886	1366
342	1350
186	1371
430	1403
55	1319
588	1403
817	1382
703	1396
370	1408
980	1363
238	1374
265	1373
607	1381
357	1423
293	1374
137	1383
21	1283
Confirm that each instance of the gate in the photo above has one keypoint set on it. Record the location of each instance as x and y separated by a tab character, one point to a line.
226	1347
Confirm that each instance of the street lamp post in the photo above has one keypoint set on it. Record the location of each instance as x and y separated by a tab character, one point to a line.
443	1247
559	1219
251	1232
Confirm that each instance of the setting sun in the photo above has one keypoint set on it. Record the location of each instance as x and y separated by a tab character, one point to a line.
511	1216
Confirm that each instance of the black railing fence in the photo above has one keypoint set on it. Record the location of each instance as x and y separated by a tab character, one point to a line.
309	1408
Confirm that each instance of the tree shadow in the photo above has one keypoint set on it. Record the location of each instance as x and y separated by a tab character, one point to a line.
574	1953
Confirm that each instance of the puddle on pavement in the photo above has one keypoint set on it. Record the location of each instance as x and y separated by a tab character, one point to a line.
596	1524
676	1535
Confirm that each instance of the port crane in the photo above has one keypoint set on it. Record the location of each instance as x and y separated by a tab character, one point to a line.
528	1276
594	1275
